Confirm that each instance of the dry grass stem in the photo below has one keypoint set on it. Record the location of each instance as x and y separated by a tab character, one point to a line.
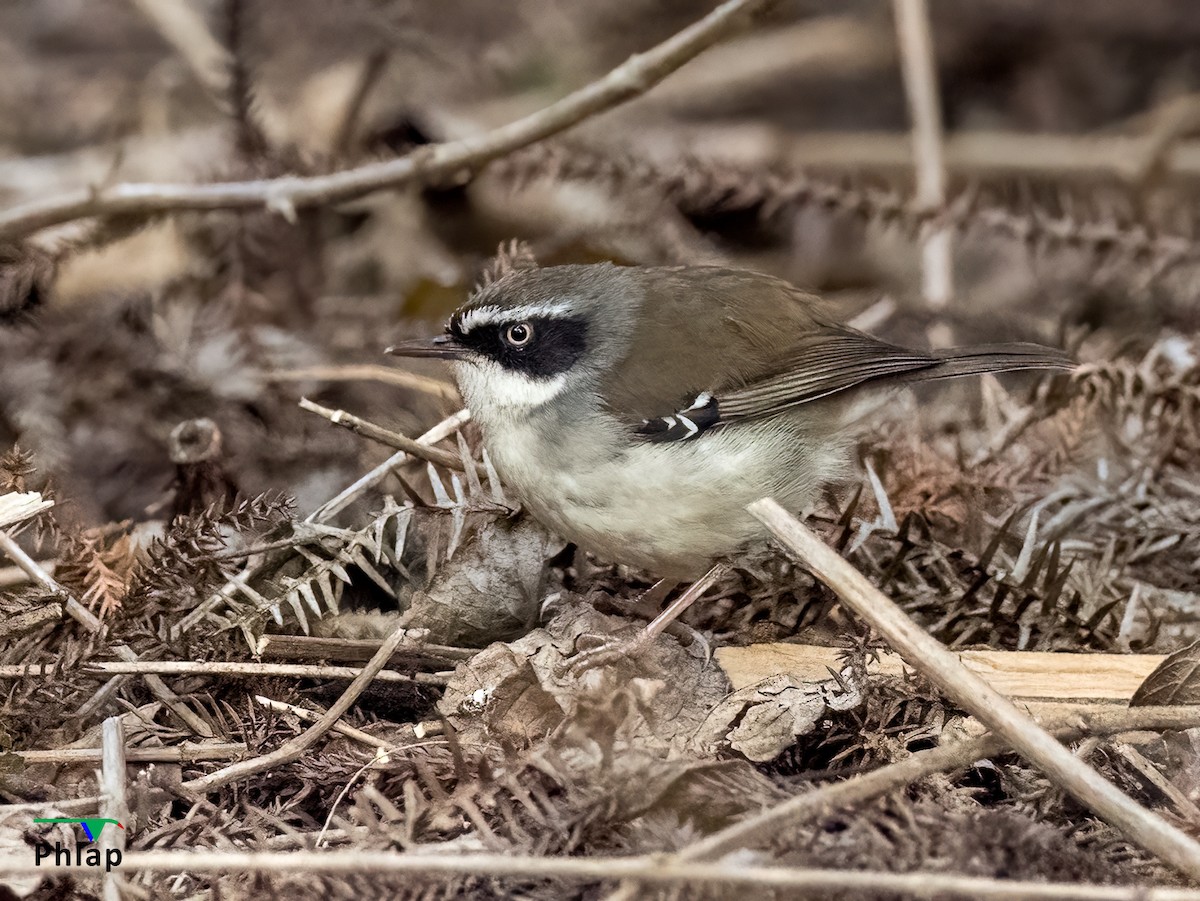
410	446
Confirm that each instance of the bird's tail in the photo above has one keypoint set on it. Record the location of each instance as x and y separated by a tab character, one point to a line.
961	361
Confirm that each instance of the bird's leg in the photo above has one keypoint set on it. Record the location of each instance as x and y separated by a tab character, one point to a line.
647	603
612	651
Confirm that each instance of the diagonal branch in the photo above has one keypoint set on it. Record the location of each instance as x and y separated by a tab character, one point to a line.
941	666
286	195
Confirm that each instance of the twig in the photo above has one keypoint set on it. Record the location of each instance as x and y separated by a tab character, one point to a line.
366	372
760	829
919	67
286	195
644	868
226	668
183	28
807	808
417	732
373	67
331	508
185	753
91	622
942	667
410	446
115	804
326	511
354	650
294	748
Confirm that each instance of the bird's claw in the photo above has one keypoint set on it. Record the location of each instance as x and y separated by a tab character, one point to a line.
606	653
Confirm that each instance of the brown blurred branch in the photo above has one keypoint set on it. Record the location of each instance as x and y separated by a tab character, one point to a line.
184	28
286	195
919	68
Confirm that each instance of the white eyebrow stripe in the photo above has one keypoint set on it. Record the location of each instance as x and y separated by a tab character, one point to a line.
491	314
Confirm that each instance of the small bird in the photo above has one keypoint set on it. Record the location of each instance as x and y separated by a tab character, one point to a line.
637	411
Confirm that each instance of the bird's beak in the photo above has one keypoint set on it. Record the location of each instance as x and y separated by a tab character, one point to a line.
441	347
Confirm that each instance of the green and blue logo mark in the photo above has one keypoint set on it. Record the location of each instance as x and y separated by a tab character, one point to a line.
92	826
83	854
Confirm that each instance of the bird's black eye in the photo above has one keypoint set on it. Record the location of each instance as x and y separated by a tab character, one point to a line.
519	334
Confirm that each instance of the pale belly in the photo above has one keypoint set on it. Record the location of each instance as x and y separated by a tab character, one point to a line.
672	508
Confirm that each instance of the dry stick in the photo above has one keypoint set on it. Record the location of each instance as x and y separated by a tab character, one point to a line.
649	869
185	753
760	829
442	430
92	623
285	195
415	733
366	372
763	827
354	650
233	668
115	803
942	667
919	68
182	26
294	748
392	439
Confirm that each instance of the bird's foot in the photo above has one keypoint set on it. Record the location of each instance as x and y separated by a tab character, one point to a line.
603	651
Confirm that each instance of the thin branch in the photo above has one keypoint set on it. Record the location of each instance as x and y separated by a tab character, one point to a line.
294	748
115	804
341	501
353	650
366	372
647	869
184	28
286	195
919	67
410	446
224	668
762	828
185	753
325	512
942	667
417	732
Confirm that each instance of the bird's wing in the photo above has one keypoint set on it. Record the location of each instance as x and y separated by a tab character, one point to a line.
702	329
839	361
762	347
824	363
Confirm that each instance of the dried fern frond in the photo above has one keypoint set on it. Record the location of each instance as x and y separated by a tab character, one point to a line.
700	186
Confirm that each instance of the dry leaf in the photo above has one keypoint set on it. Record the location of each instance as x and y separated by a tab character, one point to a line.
1174	681
490	590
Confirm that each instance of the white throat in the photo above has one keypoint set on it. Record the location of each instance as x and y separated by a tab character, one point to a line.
489	389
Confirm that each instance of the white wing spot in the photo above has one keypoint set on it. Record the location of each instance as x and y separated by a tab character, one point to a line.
691	426
701	401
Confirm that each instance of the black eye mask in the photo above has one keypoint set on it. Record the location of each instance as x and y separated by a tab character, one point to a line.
556	345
